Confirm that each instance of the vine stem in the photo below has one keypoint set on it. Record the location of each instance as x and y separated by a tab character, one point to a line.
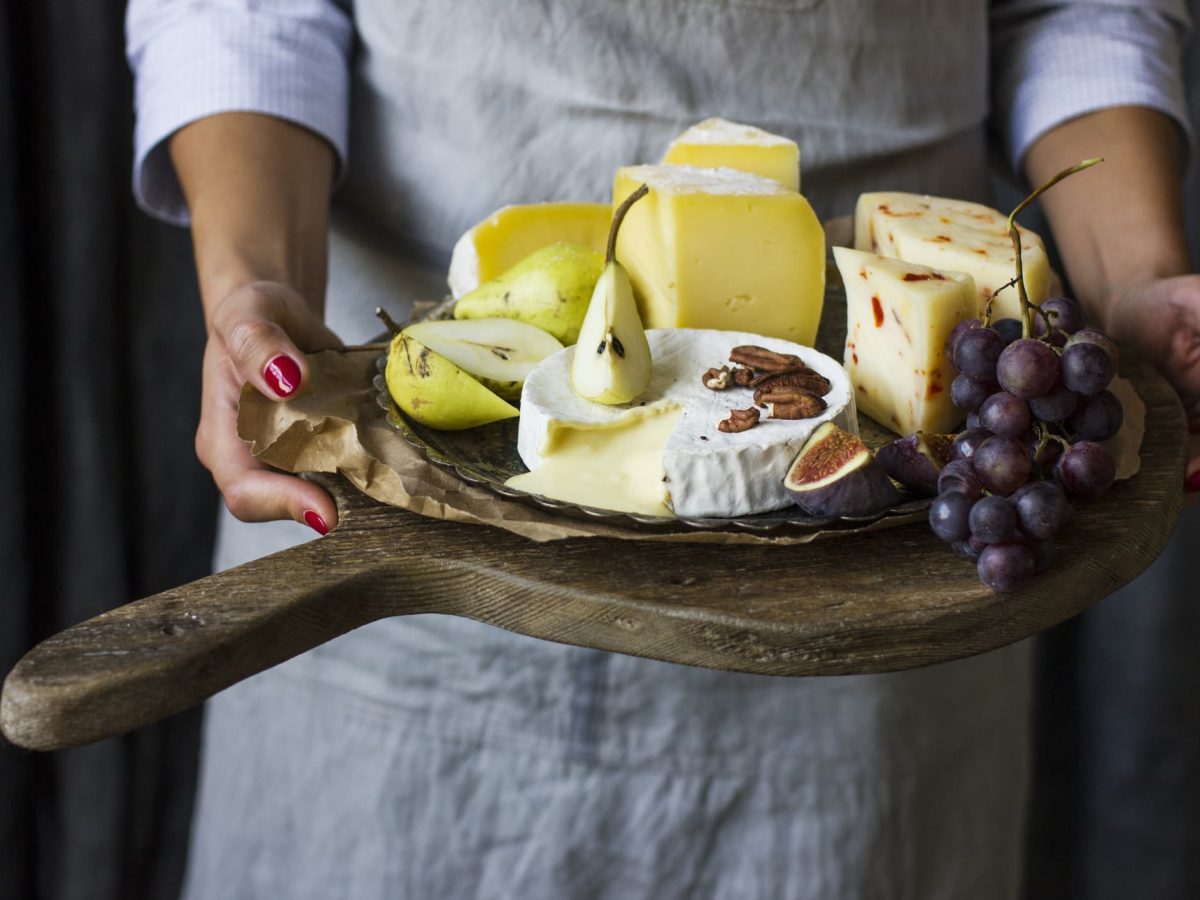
1026	312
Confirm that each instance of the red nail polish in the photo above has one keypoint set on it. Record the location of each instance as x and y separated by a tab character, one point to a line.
316	523
283	375
1192	484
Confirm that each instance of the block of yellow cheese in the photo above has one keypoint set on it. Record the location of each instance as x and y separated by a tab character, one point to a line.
898	317
718	143
493	246
957	236
719	248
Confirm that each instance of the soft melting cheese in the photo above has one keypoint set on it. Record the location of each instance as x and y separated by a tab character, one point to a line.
718	143
614	466
718	248
957	236
704	471
493	246
898	317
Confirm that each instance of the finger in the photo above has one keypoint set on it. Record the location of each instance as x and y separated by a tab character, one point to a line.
252	491
252	324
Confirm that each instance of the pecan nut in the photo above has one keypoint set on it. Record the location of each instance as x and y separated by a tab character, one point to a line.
739	420
716	379
763	360
808	380
805	406
741	376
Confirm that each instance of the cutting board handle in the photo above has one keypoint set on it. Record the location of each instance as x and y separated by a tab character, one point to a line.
151	658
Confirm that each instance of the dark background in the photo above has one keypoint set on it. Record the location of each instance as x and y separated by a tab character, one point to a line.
102	502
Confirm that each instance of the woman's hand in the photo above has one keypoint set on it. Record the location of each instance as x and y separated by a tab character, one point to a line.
255	335
1161	318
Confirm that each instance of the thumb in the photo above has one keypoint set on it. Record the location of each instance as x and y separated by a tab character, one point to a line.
253	323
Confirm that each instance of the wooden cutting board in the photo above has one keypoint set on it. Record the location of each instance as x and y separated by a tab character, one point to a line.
874	602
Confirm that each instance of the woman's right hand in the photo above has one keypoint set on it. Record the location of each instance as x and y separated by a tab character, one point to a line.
255	335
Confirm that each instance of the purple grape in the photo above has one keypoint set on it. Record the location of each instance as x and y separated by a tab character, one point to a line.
958	475
976	353
965	549
1066	316
1092	336
1098	418
1087	368
948	516
1002	464
969	394
1056	404
1005	415
968	442
1043	455
1005	567
957	332
972	421
1027	368
992	520
1085	470
1042	509
1009	329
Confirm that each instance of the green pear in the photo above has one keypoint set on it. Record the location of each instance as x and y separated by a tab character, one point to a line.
612	361
549	288
498	353
435	392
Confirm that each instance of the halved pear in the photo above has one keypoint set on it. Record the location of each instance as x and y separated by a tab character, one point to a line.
435	392
612	361
499	353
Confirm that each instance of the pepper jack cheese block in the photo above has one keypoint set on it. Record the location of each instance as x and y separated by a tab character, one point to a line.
957	236
898	317
718	248
663	454
718	143
493	246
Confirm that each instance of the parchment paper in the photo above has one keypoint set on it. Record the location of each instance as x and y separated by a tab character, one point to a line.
337	426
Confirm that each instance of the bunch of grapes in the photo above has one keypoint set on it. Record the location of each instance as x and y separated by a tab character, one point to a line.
1038	408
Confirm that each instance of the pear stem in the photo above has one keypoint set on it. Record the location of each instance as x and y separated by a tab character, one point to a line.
1027	307
618	218
388	321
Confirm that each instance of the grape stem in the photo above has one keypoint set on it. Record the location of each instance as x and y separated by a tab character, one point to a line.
1026	306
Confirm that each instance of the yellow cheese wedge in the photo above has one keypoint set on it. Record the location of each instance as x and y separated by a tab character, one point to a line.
898	317
718	248
718	143
954	235
510	234
616	467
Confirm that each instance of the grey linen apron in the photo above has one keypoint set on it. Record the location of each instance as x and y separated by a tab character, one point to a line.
432	757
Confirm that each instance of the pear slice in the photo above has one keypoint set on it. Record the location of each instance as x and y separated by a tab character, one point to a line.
435	392
612	357
549	288
498	353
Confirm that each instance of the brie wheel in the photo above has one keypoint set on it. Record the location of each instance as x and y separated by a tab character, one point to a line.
700	471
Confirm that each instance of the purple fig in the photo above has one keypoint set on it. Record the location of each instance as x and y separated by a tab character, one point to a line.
835	475
915	461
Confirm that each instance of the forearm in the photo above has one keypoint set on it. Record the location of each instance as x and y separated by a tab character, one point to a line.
258	191
1118	224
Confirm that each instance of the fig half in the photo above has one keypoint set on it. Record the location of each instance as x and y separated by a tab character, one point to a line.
916	461
835	475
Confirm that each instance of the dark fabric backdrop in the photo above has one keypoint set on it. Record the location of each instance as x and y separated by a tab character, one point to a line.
100	345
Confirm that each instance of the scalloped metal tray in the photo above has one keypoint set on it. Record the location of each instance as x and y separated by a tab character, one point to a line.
487	457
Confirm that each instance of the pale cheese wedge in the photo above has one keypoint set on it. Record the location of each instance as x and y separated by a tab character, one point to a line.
956	236
493	246
719	143
719	248
898	317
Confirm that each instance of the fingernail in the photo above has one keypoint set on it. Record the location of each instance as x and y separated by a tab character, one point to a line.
283	375
316	523
1192	483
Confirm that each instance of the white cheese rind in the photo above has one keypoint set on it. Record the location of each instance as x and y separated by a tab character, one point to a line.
709	473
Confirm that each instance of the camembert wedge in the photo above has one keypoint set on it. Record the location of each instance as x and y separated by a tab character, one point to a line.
664	453
898	317
956	236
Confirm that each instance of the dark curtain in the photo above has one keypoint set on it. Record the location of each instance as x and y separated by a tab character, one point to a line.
103	502
100	346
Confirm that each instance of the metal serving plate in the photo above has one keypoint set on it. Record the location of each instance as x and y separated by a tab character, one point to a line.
487	456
